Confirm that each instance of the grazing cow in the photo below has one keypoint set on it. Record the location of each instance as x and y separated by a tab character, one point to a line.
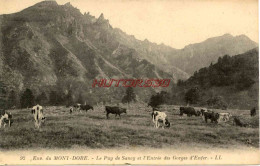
85	107
212	116
114	110
37	112
160	117
224	116
189	111
5	118
198	112
75	107
253	112
238	122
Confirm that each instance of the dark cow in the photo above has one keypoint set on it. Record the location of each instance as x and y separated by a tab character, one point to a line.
238	122
212	116
189	111
5	118
85	107
253	112
115	110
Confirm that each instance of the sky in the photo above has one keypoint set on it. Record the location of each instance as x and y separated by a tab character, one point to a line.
176	23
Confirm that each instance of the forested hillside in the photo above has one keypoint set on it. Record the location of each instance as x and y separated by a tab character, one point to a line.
231	82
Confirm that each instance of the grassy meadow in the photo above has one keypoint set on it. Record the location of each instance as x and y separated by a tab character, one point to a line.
63	130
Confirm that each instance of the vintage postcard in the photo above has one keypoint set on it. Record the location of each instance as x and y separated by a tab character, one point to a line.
154	82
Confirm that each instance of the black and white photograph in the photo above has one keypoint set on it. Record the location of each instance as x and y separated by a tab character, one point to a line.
154	82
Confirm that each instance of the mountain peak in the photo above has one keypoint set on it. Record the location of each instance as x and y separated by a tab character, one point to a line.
102	21
243	37
68	4
227	35
86	14
47	3
146	40
101	17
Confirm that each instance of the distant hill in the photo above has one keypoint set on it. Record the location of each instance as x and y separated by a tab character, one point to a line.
234	80
195	56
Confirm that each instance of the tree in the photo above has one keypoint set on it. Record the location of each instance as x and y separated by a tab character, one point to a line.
42	99
80	99
2	95
180	82
69	98
192	96
27	99
244	81
54	98
217	102
130	96
158	99
12	100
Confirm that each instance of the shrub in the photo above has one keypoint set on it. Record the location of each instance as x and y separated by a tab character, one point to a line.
217	102
27	99
192	96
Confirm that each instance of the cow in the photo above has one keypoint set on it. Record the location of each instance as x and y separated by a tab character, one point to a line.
85	107
189	111
5	118
238	122
160	117
38	116
224	116
253	112
212	116
75	107
114	110
198	112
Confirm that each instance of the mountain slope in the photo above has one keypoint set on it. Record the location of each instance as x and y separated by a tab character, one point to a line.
234	80
50	46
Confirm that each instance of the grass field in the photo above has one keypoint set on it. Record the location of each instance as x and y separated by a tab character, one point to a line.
63	130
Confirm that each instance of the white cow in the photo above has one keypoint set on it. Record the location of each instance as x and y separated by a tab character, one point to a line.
75	107
5	118
224	117
160	116
37	112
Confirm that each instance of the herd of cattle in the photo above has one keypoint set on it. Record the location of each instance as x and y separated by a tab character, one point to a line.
159	118
215	117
